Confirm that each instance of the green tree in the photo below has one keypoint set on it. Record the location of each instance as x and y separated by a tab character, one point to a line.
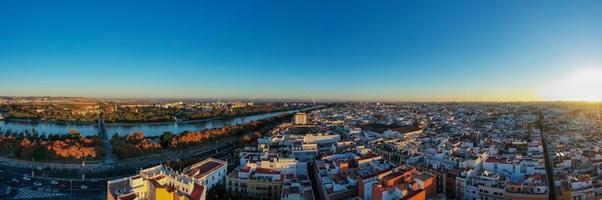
165	139
39	153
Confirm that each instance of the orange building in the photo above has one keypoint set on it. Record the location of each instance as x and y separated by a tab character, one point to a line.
401	183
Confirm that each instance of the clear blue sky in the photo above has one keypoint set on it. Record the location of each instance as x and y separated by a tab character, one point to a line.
378	50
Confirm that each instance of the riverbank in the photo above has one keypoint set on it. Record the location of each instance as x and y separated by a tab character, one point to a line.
99	170
130	122
46	148
150	129
69	177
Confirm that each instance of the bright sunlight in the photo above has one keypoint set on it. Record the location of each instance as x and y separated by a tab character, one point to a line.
585	85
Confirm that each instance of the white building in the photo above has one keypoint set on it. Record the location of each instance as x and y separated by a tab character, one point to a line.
300	119
162	182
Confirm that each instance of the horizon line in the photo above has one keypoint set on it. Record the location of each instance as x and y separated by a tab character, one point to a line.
323	100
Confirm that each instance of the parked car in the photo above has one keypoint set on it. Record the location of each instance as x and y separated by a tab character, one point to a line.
37	183
54	182
83	187
26	178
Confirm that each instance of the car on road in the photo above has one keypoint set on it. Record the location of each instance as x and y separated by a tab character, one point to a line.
26	178
83	187
54	182
37	183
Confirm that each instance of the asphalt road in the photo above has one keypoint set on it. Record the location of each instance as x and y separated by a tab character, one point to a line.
69	181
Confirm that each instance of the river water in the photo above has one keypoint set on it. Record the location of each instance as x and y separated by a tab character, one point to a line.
149	129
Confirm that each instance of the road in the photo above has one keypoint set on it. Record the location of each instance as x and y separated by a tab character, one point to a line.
547	160
70	181
94	174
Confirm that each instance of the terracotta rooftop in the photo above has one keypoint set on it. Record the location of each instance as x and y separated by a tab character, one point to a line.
197	191
261	170
203	169
130	196
246	169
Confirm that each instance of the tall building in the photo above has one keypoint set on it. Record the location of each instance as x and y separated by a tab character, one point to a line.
162	182
269	174
300	119
269	178
260	183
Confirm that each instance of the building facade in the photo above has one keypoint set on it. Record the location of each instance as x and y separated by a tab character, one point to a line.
162	182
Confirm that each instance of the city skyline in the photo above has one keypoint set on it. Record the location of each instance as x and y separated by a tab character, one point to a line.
385	51
301	100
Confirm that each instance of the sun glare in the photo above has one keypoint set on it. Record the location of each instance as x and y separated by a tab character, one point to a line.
585	85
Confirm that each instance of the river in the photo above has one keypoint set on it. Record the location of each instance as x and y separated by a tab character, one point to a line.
149	129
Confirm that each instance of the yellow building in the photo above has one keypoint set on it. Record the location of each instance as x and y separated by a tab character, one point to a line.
161	182
258	183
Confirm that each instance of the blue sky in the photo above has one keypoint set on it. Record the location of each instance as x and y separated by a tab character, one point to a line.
376	50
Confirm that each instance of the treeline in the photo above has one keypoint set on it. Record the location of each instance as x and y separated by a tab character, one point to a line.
136	144
69	147
238	112
133	145
160	114
56	112
91	113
